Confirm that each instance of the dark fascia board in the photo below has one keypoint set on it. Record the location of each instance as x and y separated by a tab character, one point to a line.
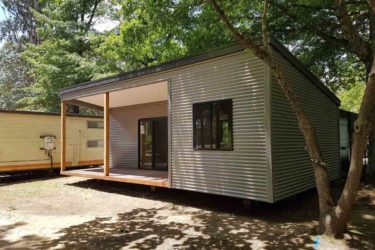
210	54
85	104
45	113
345	113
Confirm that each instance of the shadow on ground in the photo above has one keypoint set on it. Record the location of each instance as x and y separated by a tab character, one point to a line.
218	223
146	229
302	203
7	179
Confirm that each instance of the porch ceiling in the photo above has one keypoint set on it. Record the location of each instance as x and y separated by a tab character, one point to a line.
132	96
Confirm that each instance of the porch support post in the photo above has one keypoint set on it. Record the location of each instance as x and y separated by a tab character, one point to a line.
106	134
63	136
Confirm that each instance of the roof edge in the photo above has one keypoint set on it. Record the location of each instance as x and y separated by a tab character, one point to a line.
180	62
303	69
24	112
210	54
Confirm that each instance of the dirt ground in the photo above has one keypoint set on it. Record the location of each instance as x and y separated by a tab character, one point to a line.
77	213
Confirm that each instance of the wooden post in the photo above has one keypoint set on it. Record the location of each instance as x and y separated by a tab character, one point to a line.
106	134
63	136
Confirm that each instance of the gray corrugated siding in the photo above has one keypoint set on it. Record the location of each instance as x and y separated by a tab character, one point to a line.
241	172
124	131
292	171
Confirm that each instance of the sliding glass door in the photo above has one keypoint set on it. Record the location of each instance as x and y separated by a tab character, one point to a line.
153	143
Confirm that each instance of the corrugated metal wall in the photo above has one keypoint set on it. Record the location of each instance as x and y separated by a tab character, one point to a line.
238	173
292	171
124	131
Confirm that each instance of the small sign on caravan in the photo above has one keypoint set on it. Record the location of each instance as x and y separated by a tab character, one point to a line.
49	142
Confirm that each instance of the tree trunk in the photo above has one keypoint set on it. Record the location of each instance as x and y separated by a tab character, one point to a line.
333	219
362	128
326	204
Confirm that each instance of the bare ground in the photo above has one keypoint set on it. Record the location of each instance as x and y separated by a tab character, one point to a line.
76	213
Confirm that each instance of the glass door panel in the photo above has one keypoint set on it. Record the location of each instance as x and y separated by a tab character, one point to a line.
145	143
153	143
160	144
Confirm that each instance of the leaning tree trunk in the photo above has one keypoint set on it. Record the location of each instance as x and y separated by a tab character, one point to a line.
362	128
333	219
326	204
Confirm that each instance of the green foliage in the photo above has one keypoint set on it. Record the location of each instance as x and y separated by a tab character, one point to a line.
68	49
351	98
65	56
152	32
312	30
13	76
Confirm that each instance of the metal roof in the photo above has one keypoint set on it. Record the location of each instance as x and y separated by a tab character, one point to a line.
210	54
24	112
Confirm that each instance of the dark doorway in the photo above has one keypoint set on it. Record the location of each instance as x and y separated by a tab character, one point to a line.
153	143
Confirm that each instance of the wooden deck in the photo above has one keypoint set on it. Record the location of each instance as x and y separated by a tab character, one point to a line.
135	176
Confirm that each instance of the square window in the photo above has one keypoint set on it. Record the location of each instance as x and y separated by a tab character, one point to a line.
212	125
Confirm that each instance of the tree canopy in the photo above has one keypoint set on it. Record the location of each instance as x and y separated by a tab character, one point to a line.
59	44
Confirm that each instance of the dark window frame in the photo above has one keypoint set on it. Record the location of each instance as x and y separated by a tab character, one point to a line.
90	143
198	107
96	126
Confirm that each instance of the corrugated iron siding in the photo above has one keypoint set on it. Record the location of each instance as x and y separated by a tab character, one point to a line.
238	173
292	171
124	131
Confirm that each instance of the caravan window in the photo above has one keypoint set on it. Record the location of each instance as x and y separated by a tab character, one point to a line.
95	124
212	125
95	143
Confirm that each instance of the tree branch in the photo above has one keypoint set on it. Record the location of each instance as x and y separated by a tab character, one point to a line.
92	15
326	204
257	50
341	43
356	43
371	3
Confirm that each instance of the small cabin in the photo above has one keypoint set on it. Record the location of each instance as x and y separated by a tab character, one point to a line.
31	140
215	123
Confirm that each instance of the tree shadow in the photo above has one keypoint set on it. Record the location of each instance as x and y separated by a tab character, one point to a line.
152	229
219	223
7	179
288	224
362	221
299	208
20	243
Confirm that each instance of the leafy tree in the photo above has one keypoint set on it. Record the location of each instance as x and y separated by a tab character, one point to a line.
20	26
13	76
152	32
65	55
341	24
18	29
351	98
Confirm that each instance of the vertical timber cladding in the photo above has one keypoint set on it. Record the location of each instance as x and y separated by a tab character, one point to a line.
292	171
124	131
238	173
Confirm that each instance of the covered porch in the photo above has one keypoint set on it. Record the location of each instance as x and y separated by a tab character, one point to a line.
134	176
136	134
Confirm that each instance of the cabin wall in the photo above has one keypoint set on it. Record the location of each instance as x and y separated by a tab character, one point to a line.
238	173
124	131
20	141
292	171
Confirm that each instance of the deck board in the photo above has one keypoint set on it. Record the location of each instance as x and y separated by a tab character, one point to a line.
135	176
